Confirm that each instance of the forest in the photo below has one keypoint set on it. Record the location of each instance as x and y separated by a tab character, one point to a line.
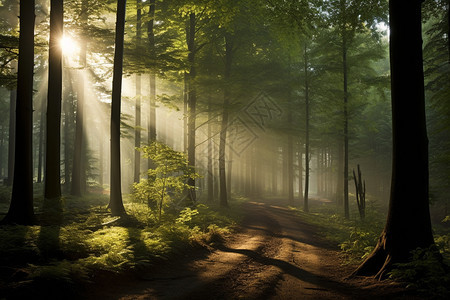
220	149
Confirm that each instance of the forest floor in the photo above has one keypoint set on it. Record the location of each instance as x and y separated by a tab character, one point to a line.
272	255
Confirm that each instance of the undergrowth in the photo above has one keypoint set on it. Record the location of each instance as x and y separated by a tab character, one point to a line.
428	269
81	246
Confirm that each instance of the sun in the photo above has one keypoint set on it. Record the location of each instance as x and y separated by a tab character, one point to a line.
68	46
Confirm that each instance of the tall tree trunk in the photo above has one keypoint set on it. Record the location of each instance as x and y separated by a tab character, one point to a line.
300	173
152	102
192	100
79	141
210	183
224	125
68	108
185	112
21	209
307	146
12	135
53	149
230	168
345	73
41	141
137	130
340	173
115	202
290	163
78	168
408	224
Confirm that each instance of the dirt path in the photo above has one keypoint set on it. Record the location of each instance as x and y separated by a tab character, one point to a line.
274	256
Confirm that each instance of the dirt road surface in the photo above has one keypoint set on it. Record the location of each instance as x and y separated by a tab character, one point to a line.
274	255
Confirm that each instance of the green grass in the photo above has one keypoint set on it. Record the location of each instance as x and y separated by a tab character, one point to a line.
80	245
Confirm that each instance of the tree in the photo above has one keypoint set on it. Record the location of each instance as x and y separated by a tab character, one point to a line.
115	202
350	17
137	132
408	224
53	149
225	116
21	208
78	162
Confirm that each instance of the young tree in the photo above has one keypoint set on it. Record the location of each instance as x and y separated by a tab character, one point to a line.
115	202
408	224
137	130
21	208
53	149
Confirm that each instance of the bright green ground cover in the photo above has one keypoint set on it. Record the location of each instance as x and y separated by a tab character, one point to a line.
89	241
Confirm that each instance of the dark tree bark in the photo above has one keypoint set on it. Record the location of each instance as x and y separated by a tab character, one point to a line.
290	162
12	136
192	100
225	115
78	168
307	145
408	224
21	209
152	103
115	201
345	74
300	173
53	149
137	130
210	179
68	111
41	141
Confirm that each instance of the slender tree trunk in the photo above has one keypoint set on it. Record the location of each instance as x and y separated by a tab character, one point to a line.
101	159
224	125
115	202
274	170
345	72
192	100
210	183
290	163
152	102
53	149
21	209
230	168
41	141
68	108
78	168
185	112
300	173
137	130
408	224
340	173
12	135
307	116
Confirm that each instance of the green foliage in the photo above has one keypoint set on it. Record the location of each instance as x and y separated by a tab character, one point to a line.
355	238
425	272
83	245
166	183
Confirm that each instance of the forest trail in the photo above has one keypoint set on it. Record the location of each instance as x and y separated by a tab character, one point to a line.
274	255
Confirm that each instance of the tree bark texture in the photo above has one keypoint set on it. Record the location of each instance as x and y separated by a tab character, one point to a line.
224	125
192	101
137	130
53	149
408	224
115	202
21	209
307	146
152	102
